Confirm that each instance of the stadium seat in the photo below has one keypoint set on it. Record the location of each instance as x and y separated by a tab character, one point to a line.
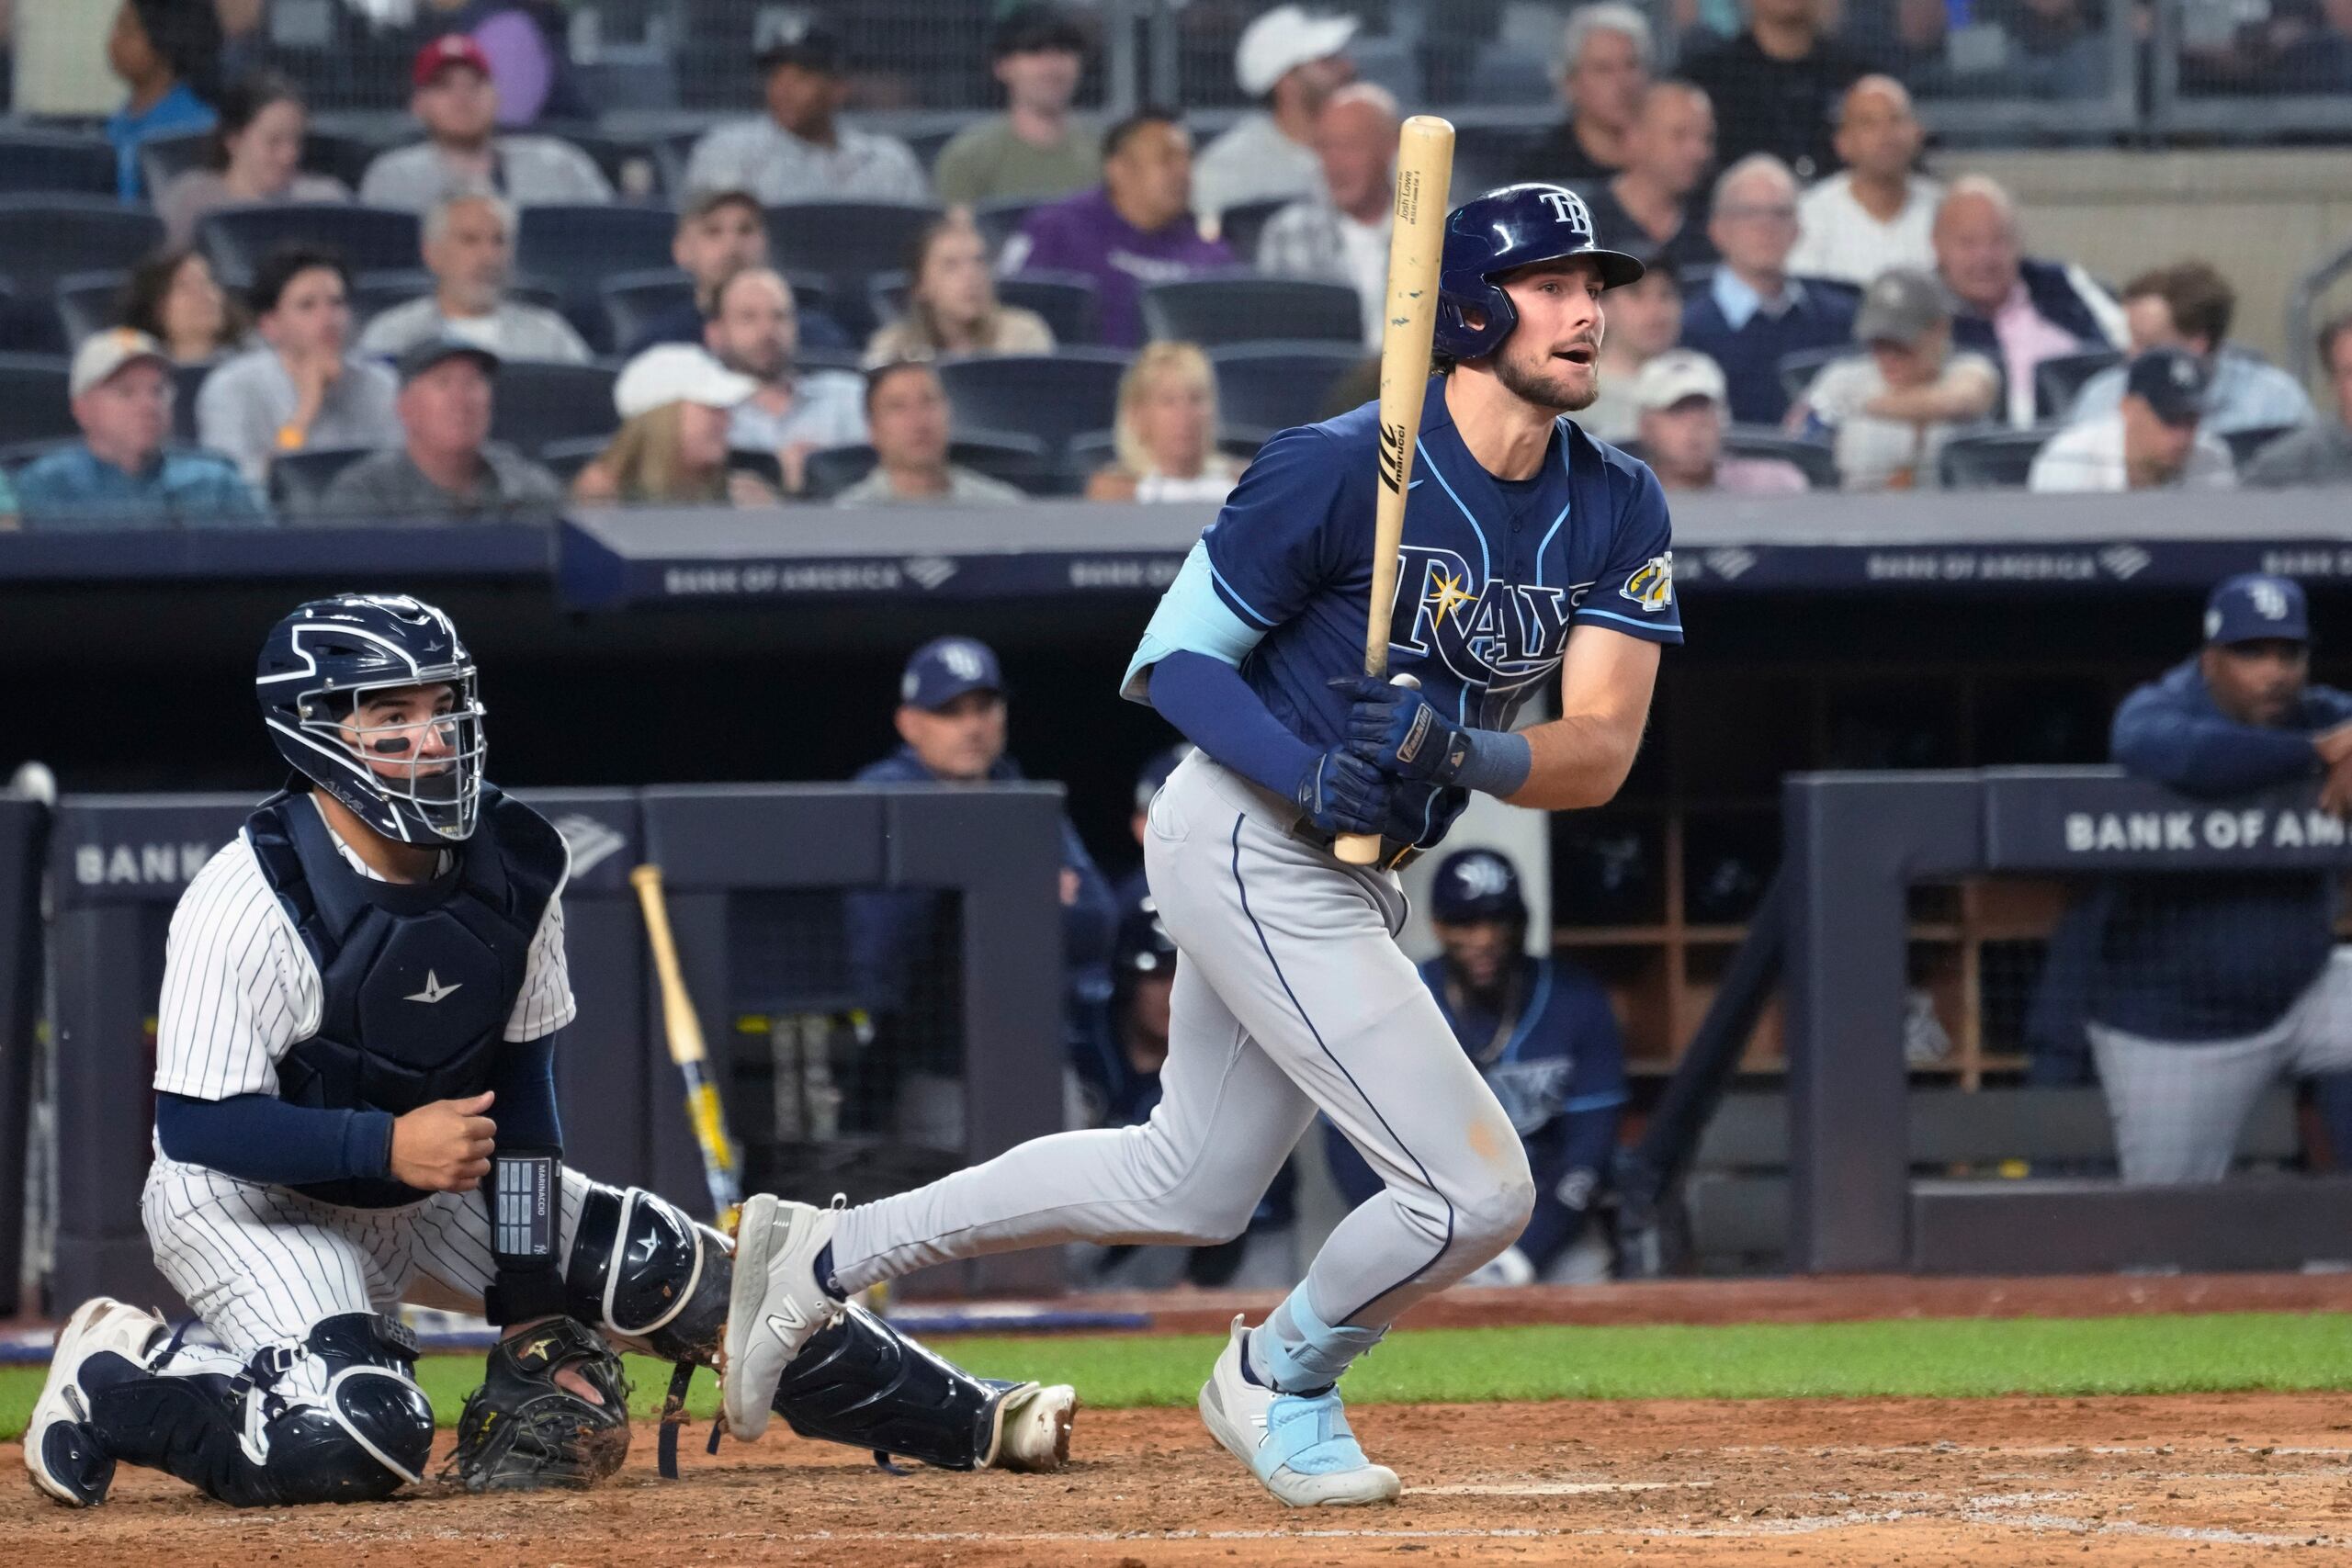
298	480
844	242
60	162
1797	370
633	301
576	248
636	171
187	381
1266	387
369	238
536	402
1054	397
1240	226
1066	300
1245	308
44	238
2244	444
999	220
566	459
1017	461
1485	156
162	159
17	454
1818	462
2058	379
86	302
1991	460
33	401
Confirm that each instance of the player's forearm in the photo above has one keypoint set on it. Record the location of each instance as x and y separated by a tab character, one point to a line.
1577	761
1208	700
259	1137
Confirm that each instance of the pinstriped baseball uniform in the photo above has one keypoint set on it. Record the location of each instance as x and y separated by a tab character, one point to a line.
261	1264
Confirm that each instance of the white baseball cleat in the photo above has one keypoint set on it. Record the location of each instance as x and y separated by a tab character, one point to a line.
1033	1423
774	1305
61	1452
1299	1447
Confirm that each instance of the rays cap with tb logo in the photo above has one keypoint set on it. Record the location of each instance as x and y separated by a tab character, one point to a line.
946	668
2257	607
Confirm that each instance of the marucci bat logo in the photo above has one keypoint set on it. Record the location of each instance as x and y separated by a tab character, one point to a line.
1392	457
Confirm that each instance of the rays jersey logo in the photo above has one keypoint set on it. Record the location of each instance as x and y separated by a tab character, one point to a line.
1653	586
1501	636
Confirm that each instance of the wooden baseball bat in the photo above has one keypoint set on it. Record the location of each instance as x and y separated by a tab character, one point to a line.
1415	244
687	1049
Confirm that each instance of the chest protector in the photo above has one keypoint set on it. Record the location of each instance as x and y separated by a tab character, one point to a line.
418	979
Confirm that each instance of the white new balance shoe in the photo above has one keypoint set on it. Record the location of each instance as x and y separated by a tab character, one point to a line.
774	1305
60	1450
1300	1447
1033	1425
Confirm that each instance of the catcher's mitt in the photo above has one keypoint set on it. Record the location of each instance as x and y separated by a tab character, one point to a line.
521	1430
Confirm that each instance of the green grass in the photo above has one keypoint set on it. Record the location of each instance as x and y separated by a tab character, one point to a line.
1949	1359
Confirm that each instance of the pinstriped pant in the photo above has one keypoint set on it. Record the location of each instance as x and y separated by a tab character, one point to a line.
261	1264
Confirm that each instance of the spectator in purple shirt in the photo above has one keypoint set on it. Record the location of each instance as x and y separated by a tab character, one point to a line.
1137	229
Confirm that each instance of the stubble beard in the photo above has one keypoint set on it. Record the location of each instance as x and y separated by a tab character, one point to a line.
1547	388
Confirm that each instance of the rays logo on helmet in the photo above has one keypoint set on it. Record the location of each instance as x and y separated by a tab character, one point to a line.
1482	877
1653	586
1568	207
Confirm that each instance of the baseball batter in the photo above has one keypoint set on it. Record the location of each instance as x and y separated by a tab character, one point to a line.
363	996
1531	550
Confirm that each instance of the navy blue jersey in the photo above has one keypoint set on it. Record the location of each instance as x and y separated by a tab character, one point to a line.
1492	576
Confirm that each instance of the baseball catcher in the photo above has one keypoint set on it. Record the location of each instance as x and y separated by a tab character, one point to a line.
363	996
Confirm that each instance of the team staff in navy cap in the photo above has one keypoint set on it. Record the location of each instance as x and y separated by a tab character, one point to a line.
951	723
1543	1037
2205	988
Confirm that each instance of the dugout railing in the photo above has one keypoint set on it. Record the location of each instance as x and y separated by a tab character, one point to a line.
1854	845
116	865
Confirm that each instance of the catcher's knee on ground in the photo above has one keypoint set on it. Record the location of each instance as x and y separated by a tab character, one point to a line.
334	1418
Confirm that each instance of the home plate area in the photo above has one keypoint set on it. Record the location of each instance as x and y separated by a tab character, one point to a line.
2201	1479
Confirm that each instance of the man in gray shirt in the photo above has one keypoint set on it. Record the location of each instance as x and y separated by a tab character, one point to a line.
2321	452
908	412
448	468
470	249
752	329
302	390
798	150
453	98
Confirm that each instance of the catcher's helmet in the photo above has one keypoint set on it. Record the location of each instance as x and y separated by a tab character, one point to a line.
1476	885
1515	226
317	662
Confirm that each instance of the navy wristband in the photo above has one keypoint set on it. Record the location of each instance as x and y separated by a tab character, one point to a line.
1498	763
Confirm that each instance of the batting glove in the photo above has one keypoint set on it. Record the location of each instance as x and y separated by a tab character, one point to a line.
1394	727
1344	794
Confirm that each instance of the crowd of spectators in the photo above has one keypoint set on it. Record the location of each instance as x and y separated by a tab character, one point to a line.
1807	282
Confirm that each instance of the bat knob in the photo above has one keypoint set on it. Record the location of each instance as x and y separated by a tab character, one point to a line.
1410	682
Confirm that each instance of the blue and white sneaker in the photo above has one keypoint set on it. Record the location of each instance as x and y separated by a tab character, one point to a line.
1300	1447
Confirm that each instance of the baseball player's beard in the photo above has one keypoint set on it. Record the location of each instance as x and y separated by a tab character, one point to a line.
1560	386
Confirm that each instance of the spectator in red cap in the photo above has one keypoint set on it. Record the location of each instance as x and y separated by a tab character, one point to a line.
452	97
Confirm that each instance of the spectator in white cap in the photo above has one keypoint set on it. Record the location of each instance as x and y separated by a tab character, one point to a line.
675	401
1682	396
468	247
118	474
1889	410
1290	61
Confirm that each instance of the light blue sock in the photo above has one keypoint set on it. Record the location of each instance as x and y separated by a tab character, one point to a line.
1294	1351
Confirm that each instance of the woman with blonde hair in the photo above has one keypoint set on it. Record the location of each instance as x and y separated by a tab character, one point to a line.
951	306
1165	435
671	446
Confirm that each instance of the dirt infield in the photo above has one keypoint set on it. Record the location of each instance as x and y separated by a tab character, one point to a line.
1853	1484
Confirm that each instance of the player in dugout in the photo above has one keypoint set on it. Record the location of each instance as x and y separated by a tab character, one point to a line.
2203	989
1542	1033
363	996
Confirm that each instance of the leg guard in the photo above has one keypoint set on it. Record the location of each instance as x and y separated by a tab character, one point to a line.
647	1275
336	1418
862	1382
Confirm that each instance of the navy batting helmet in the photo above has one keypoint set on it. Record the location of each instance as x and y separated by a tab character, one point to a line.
417	780
1488	235
1476	884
